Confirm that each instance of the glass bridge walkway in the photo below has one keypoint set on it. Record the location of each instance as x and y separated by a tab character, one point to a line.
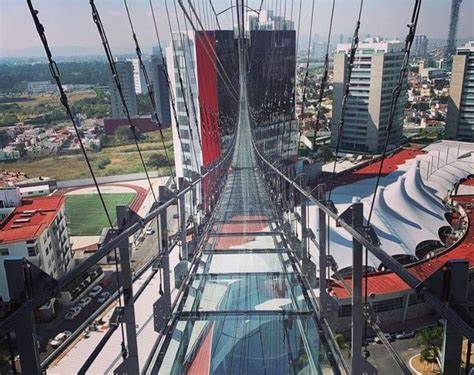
245	308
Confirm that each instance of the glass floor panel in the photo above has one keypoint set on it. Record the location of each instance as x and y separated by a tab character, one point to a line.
244	263
245	292
244	226
233	344
245	241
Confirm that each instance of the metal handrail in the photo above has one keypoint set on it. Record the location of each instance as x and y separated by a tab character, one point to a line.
413	282
8	324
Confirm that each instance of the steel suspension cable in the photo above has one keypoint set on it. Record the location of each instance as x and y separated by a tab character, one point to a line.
181	84
186	70
229	85
305	80
324	77
347	85
151	94
168	81
118	86
396	93
53	68
393	104
215	15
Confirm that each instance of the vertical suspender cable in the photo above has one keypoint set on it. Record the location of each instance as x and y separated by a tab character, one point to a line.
305	80
324	77
347	84
118	86
151	94
53	68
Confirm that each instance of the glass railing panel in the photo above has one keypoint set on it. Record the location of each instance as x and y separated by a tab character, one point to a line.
245	292
245	344
244	263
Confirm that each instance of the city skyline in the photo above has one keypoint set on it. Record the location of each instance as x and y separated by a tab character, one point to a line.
384	18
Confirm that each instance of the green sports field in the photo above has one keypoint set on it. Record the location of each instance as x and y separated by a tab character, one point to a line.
85	214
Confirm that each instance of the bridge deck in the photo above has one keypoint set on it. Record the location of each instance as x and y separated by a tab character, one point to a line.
245	309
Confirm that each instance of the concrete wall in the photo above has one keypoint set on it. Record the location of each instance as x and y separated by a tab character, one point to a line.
375	97
455	92
340	69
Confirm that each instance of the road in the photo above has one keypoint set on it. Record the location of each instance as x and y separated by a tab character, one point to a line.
145	251
107	179
382	360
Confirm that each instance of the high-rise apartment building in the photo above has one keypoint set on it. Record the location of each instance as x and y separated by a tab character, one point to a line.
126	76
160	86
138	77
203	72
460	116
375	74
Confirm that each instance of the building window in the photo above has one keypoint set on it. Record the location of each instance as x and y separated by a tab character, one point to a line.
32	251
4	252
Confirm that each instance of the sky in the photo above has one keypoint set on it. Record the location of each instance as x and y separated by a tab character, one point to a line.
68	23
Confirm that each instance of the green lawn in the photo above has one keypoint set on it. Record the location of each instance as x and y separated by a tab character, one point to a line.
86	216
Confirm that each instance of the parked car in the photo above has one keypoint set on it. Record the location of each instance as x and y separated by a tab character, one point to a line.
405	335
388	336
103	297
77	309
72	313
85	301
149	231
95	291
60	338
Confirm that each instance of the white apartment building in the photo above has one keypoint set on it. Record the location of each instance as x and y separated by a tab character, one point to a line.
375	74
181	62
34	229
138	77
41	87
126	77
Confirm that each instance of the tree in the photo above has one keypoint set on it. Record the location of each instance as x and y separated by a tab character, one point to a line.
325	154
157	160
4	138
124	133
103	162
430	339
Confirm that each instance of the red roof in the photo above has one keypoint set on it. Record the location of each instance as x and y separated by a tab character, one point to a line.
390	165
388	282
28	221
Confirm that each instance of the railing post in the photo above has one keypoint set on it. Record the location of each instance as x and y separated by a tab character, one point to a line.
357	312
323	299
458	281
182	218
131	361
27	346
304	227
164	247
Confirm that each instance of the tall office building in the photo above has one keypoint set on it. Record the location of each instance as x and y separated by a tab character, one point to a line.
125	72
271	86
420	46
160	87
197	80
374	76
460	117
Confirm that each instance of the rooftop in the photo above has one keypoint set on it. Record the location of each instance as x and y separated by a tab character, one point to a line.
388	282
28	221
